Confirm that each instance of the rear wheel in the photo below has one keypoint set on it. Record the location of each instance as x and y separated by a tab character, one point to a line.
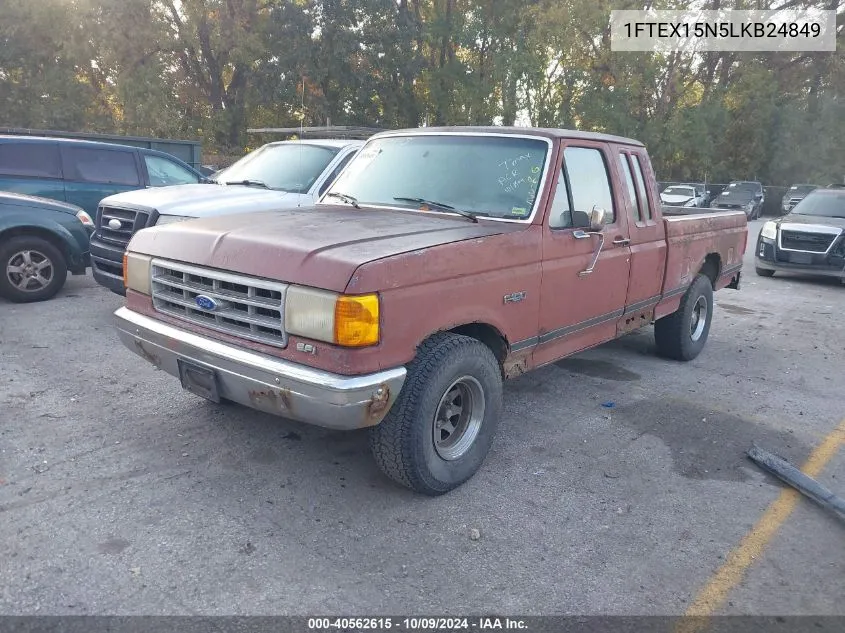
441	427
682	334
764	272
31	269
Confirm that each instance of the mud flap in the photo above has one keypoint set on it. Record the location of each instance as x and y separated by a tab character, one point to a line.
734	285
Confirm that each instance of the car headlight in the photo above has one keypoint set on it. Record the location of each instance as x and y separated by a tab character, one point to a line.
170	219
347	320
85	219
136	272
769	231
690	202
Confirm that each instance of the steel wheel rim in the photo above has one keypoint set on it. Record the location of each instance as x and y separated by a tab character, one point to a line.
29	271
698	320
457	420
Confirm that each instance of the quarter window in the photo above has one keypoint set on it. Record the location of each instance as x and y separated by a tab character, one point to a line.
632	190
638	173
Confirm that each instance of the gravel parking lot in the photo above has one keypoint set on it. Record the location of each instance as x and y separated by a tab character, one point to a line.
120	493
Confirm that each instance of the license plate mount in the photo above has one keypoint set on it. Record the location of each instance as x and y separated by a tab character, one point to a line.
199	380
801	258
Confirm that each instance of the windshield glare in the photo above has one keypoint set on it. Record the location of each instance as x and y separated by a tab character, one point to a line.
292	167
495	176
824	204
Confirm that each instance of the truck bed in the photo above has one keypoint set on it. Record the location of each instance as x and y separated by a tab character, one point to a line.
693	239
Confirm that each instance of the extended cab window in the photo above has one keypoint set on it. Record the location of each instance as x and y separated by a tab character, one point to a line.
589	185
101	166
638	173
164	172
488	175
632	190
38	160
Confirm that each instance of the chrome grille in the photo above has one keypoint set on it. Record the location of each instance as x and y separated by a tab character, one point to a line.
131	221
248	307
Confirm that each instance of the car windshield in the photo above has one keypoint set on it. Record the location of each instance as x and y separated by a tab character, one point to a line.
292	167
801	189
483	174
743	186
679	191
830	204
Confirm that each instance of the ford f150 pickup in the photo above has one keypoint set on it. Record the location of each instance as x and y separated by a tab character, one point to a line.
441	262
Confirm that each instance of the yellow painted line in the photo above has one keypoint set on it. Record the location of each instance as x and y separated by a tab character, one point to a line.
715	592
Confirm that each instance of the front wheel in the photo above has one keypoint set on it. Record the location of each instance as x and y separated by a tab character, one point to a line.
31	269
682	334
441	427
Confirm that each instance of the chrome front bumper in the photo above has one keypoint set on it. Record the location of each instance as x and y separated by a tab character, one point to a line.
260	381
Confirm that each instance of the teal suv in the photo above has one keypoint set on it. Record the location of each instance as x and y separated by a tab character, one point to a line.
84	172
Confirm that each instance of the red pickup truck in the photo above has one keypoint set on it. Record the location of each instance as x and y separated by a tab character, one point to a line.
441	261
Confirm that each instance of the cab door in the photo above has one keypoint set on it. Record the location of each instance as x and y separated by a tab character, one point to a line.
648	239
578	308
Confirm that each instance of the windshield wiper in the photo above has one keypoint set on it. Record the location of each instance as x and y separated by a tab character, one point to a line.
438	205
345	197
248	183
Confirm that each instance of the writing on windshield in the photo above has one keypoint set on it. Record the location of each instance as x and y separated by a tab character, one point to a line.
484	174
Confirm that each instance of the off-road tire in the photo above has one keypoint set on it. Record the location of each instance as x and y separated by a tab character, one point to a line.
403	444
673	333
764	272
45	249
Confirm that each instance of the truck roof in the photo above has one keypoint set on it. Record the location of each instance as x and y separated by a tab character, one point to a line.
500	129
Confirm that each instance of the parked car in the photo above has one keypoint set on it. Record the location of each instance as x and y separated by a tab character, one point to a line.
281	175
794	195
684	196
40	241
441	261
84	172
809	239
748	196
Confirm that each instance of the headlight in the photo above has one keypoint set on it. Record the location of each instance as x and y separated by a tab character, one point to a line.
769	231
170	219
347	320
689	203
136	272
85	219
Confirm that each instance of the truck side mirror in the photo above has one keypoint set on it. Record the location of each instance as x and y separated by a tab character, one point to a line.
597	217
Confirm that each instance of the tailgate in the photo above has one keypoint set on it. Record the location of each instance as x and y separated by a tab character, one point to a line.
692	237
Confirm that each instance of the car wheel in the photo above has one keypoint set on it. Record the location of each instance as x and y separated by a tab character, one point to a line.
438	432
682	334
31	269
764	272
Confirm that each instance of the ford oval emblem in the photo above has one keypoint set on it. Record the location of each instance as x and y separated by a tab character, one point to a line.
206	303
115	224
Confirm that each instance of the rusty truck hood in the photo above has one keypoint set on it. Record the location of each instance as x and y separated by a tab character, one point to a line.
314	246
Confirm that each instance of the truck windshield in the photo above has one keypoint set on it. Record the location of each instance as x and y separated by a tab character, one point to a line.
829	204
292	167
482	174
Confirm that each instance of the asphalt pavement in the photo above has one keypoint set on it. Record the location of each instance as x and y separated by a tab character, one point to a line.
122	494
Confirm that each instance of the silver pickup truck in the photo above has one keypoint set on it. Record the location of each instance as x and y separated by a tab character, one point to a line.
281	175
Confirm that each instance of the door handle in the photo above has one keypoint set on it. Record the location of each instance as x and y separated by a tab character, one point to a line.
621	241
